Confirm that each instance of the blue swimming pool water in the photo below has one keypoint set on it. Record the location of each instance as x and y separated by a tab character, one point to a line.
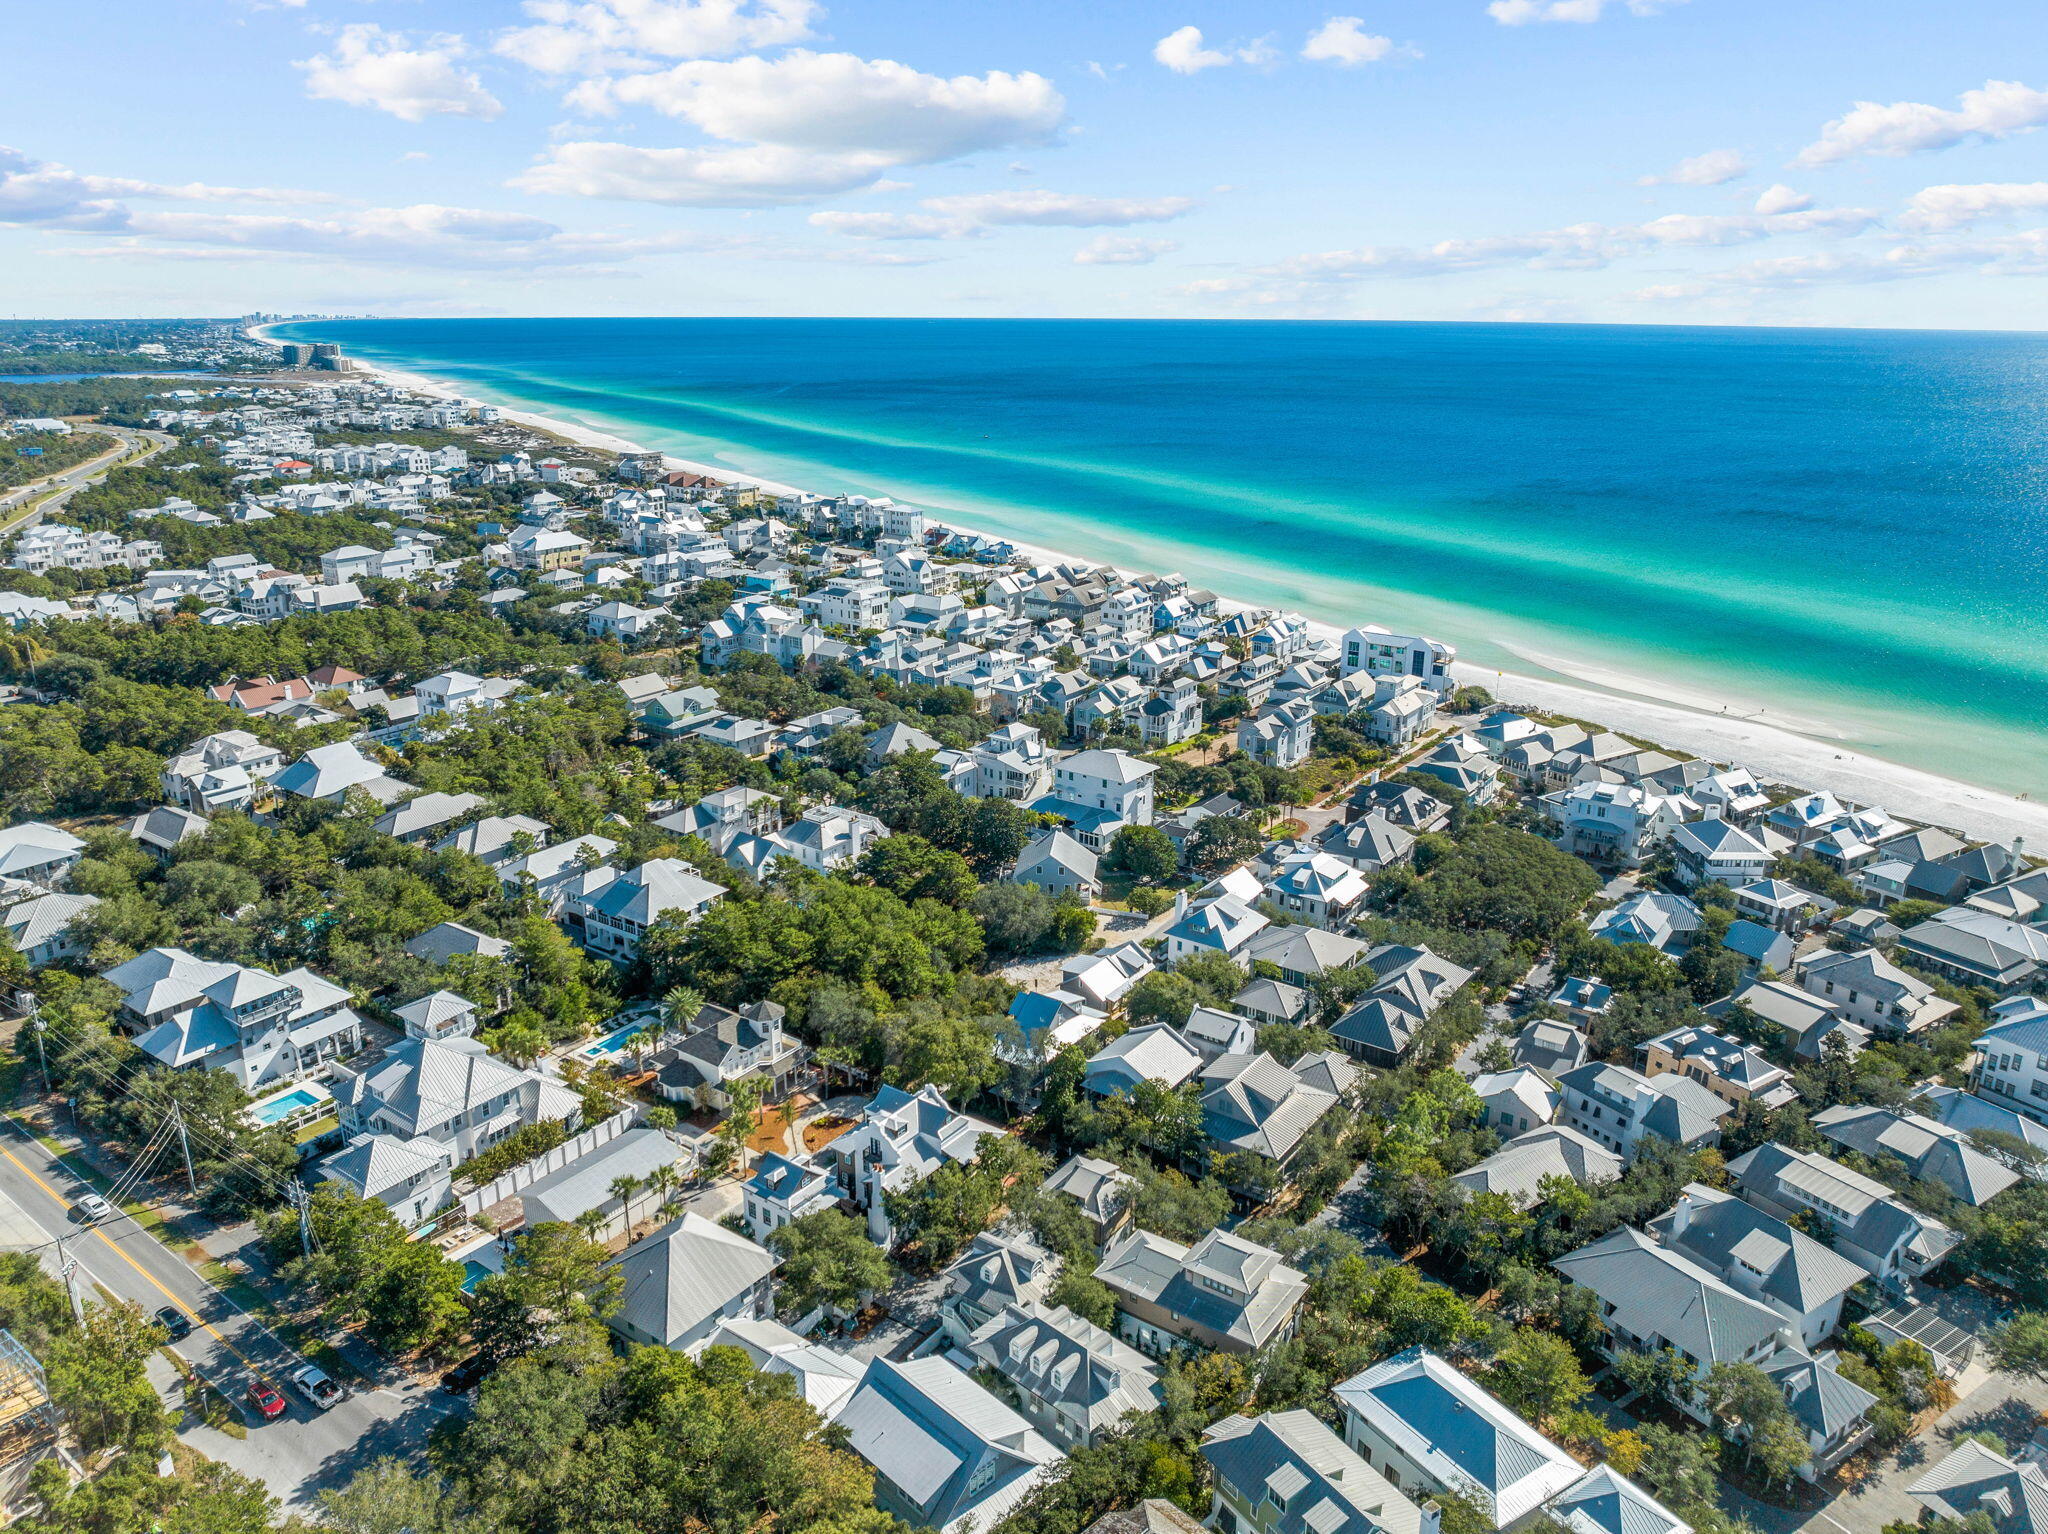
274	1110
612	1042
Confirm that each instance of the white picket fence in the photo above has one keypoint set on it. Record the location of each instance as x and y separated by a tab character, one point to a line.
509	1183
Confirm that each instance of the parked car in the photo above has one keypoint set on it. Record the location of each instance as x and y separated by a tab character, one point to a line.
467	1375
91	1209
317	1387
175	1322
267	1400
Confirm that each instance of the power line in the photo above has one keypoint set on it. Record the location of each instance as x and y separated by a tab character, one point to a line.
263	1177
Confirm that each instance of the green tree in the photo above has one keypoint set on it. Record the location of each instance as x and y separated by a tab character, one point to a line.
827	1259
388	1498
96	1379
1538	1374
743	1104
911	868
128	1495
1144	852
1219	842
2019	1344
555	1282
1661	1375
955	1053
366	1267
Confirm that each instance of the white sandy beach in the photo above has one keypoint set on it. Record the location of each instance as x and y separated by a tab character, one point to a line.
1762	743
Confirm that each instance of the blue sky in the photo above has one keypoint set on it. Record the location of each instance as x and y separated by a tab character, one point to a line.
1846	162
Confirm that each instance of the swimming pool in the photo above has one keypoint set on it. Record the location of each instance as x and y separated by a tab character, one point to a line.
613	1042
275	1110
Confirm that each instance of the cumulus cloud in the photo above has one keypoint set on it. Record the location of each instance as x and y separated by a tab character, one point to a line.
1059	208
1713	168
1999	110
805	125
809	125
840	103
595	36
1518	13
1782	199
1344	40
370	67
1185	53
1954	207
1123	250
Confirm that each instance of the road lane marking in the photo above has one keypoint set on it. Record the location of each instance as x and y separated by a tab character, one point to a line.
115	1247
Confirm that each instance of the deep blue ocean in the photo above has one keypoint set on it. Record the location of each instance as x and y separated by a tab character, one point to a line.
1847	529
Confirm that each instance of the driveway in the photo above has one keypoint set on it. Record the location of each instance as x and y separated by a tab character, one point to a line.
2001	1403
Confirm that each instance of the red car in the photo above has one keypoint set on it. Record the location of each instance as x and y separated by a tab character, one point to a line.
267	1399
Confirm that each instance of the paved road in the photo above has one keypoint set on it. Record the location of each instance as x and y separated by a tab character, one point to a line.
74	479
295	1455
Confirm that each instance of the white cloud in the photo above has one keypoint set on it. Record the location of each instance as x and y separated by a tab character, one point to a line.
599	35
1953	207
1516	13
42	192
1059	208
894	226
1344	40
370	67
1713	168
754	176
36	194
1782	199
1183	51
809	125
2000	109
1573	247
971	215
840	103
1123	250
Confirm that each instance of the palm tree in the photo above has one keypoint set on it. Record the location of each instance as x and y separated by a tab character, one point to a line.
680	1006
647	1038
591	1221
663	1180
624	1187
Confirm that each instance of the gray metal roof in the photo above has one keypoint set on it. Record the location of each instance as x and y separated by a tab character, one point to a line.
1657	1293
1340	1492
585	1183
683	1274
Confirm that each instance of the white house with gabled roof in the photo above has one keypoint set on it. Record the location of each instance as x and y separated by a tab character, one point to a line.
1429	1428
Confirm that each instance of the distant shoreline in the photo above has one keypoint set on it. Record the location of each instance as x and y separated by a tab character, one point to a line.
1771	751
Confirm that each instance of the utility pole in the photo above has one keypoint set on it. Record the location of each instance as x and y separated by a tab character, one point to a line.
68	1267
296	1192
36	1025
185	1145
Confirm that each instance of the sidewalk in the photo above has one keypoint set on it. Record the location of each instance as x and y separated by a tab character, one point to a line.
240	1268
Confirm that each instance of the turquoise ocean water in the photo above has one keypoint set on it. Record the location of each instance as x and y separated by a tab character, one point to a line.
1848	529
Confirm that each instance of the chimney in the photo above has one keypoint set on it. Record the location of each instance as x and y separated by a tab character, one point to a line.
1180	904
1432	1518
1681	1215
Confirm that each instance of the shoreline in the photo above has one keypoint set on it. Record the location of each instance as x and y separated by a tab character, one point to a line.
1771	751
